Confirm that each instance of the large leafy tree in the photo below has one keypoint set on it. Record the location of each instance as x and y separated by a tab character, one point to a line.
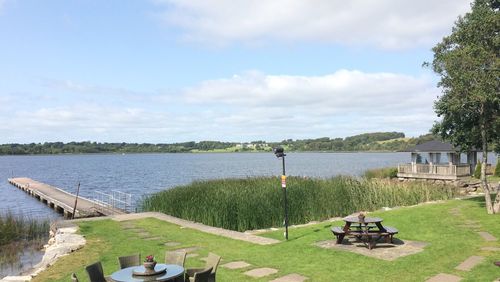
468	64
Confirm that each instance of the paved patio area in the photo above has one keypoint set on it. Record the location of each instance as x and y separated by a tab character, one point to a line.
381	251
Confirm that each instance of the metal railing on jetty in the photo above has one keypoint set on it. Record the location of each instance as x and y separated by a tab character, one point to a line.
106	203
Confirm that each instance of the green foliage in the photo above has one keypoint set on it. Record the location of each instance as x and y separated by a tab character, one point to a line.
254	203
378	141
477	171
497	168
468	63
387	172
17	228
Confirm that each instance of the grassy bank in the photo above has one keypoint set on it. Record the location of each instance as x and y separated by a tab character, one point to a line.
441	226
254	203
19	228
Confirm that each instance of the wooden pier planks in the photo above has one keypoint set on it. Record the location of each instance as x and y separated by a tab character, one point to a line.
60	200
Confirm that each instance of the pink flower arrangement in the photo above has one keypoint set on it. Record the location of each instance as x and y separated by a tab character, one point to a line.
150	258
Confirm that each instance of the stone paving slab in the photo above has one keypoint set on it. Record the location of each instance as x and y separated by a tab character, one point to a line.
443	277
385	251
192	255
144	234
188	249
261	272
487	236
197	226
493	249
471	221
236	265
471	226
469	263
294	277
172	244
152	238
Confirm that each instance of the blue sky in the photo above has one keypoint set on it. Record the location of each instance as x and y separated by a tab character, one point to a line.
173	71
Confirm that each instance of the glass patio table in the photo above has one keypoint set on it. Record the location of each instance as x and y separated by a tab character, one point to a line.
126	274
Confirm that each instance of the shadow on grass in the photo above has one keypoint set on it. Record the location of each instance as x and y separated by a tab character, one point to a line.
479	200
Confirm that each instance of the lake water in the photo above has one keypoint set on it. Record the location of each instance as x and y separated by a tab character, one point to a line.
141	174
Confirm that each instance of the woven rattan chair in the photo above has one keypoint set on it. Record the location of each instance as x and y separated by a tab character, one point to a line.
74	278
128	261
177	258
201	276
95	272
212	262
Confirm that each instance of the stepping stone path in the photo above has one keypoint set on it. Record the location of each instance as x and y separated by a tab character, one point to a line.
443	277
469	263
487	236
144	234
261	272
152	238
291	278
188	249
472	226
236	265
493	249
192	255
172	244
135	229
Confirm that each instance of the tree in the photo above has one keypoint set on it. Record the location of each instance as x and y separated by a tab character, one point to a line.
468	64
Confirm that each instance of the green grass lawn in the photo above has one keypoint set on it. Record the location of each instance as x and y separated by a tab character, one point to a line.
449	245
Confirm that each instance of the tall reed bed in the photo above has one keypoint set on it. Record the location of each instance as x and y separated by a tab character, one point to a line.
18	228
254	203
386	172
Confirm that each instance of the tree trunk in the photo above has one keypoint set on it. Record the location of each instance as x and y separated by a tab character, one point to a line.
484	182
496	205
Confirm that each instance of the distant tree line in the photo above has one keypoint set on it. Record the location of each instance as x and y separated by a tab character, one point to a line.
379	141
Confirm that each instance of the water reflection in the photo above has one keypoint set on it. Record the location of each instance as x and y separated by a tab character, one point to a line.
18	257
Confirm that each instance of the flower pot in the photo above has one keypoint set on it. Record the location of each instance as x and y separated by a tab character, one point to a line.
149	266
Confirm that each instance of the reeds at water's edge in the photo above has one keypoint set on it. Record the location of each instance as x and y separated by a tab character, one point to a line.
18	228
257	202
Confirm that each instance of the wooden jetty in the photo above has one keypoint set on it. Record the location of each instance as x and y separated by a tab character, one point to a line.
62	201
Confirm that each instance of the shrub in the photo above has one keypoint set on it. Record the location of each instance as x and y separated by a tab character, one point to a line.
254	203
477	171
387	172
497	168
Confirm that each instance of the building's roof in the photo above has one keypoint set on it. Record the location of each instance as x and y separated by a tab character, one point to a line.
435	146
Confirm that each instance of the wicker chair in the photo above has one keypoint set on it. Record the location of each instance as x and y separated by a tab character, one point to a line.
95	272
212	262
128	261
74	278
201	276
177	258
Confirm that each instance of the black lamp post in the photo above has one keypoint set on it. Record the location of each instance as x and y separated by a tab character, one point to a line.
280	153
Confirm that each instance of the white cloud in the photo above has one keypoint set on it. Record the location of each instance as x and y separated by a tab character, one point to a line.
250	106
390	24
339	92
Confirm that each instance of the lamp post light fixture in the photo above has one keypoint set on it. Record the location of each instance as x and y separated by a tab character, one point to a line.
280	153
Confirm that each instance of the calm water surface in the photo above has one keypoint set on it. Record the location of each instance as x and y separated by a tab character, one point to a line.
141	174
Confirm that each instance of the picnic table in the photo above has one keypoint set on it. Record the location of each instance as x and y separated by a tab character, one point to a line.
369	230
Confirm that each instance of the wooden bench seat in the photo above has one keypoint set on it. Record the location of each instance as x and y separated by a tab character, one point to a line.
391	231
338	232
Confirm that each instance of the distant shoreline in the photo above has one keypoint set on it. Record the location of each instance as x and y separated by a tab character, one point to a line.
199	152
